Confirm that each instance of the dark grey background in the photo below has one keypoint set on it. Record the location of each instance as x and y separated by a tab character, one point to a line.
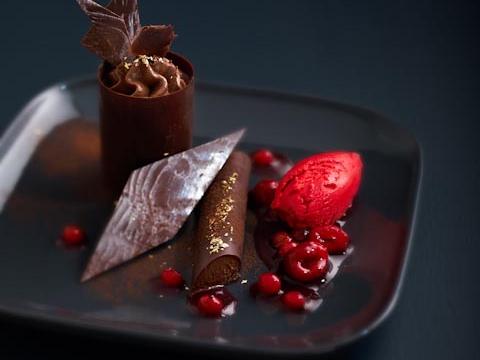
416	61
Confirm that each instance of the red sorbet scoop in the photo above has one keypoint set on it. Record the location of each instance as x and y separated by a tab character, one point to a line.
319	189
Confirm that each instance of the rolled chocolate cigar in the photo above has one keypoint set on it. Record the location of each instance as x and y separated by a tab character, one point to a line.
219	240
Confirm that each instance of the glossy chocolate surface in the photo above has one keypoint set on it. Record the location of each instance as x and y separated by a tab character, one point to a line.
156	202
114	28
136	131
218	246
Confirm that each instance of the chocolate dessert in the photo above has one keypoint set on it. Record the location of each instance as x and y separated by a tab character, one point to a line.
220	234
157	200
146	91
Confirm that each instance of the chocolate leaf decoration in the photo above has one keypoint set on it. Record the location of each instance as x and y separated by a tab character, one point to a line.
110	36
153	40
128	10
116	33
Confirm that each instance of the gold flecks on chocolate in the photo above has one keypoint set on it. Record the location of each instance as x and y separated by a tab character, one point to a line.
216	245
144	59
218	224
233	179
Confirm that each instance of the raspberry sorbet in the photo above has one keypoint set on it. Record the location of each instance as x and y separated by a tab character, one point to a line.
319	189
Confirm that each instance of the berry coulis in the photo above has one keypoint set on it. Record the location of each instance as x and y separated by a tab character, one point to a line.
272	241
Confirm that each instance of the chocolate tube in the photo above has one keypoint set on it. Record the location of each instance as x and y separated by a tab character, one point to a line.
221	226
136	131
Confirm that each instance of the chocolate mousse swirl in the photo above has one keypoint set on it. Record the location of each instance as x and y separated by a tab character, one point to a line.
146	76
137	54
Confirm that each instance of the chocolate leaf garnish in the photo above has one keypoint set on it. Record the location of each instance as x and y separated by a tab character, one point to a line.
110	36
116	33
153	40
128	10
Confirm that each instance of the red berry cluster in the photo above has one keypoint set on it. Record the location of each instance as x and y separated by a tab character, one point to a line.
305	253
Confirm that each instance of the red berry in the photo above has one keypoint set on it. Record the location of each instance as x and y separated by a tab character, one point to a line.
264	192
300	235
307	262
171	278
280	238
286	248
333	237
262	158
210	305
269	284
73	235
294	300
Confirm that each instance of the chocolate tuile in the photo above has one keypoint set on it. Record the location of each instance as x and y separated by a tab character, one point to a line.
221	226
110	36
153	40
116	33
128	10
156	202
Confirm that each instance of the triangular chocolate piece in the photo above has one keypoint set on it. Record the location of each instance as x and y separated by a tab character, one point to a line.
156	202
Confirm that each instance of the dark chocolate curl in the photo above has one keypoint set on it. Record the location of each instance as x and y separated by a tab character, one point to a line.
128	10
153	40
220	235
113	28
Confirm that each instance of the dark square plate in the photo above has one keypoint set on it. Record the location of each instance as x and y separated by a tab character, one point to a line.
49	177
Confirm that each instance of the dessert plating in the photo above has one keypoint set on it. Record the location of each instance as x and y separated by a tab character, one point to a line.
146	115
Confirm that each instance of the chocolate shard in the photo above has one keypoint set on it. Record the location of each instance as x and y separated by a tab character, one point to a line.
128	10
220	234
156	201
113	30
153	40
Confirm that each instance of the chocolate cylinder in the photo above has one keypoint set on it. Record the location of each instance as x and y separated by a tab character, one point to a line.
220	234
136	131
